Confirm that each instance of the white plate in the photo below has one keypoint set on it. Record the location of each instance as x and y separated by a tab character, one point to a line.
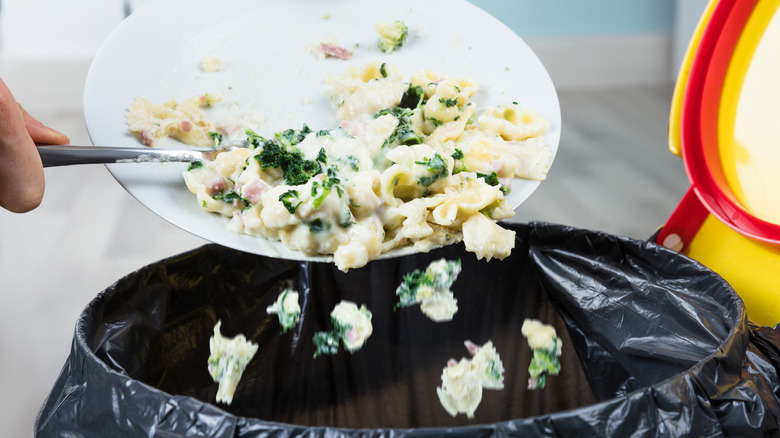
157	52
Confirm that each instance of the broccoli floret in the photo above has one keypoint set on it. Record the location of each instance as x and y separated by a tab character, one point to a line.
229	197
449	102
544	363
351	161
546	346
287	198
326	343
491	208
346	220
493	371
490	178
413	98
280	152
317	226
460	166
437	168
286	309
217	137
322	156
291	137
320	190
391	35
403	134
407	291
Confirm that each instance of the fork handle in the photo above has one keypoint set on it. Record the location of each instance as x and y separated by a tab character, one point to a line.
65	155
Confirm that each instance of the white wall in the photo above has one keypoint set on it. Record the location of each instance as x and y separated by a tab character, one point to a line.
46	45
535	19
686	16
48	29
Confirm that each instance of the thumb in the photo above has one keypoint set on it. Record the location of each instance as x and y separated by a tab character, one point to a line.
21	174
40	133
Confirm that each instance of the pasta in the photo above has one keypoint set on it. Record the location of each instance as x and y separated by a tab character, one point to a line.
547	347
227	362
462	381
409	164
351	328
183	121
431	289
286	307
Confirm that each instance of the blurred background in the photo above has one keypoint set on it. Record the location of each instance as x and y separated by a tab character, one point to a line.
614	63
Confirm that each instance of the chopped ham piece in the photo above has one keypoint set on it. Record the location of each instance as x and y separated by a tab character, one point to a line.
353	335
335	51
186	126
215	185
355	129
472	347
147	137
229	129
254	189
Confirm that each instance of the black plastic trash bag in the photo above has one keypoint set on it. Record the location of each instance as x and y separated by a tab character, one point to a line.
654	345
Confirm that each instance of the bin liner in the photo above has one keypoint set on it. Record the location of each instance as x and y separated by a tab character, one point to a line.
655	344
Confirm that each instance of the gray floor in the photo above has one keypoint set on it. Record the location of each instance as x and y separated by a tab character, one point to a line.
613	173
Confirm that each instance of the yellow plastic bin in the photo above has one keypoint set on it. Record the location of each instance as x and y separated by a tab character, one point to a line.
724	124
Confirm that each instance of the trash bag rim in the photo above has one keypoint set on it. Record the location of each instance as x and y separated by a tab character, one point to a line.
100	299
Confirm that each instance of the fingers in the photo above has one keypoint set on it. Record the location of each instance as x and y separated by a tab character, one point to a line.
21	172
40	133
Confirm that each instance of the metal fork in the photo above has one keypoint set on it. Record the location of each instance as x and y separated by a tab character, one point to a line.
65	155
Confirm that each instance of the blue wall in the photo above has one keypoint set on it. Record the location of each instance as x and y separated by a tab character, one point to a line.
571	18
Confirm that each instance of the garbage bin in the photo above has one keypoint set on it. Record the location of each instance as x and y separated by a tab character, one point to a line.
654	345
722	125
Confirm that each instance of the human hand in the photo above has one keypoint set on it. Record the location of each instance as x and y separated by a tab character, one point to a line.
21	171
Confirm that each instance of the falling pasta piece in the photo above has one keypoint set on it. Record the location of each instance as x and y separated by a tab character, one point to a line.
462	381
546	345
286	307
431	289
227	362
351	328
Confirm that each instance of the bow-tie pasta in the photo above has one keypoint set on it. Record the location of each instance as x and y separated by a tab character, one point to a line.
410	163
